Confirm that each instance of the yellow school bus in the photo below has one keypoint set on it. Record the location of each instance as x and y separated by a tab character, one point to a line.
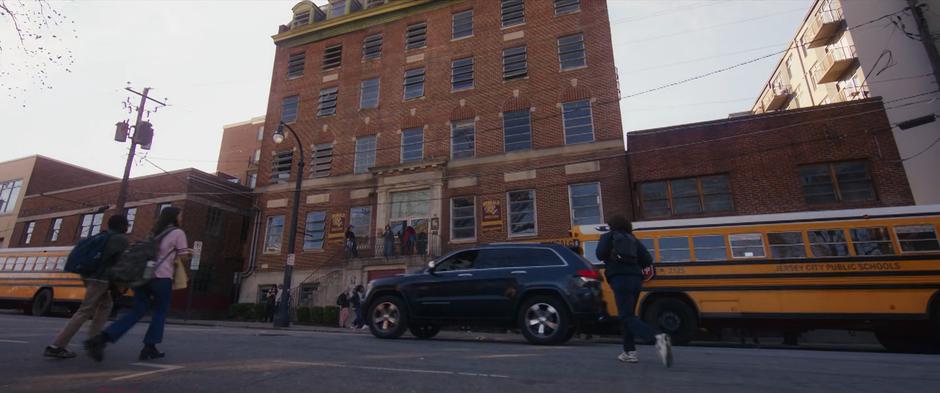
863	269
33	278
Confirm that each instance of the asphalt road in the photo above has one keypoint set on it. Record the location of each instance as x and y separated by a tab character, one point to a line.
224	359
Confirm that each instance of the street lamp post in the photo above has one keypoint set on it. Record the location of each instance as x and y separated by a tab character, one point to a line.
283	312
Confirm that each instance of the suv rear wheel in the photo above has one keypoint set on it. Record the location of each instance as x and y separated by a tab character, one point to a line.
545	320
387	317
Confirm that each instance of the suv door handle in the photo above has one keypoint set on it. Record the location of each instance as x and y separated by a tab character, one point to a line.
518	272
465	275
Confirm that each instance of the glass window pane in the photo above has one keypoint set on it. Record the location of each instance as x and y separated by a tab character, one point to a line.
828	243
578	122
275	229
710	248
369	94
571	51
521	213
517	130
365	154
459	261
462	24
289	107
871	241
412	144
462	139
747	245
786	245
817	184
463	218
917	238
585	204
674	249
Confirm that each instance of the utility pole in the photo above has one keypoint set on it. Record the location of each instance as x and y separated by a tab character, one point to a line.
143	135
926	38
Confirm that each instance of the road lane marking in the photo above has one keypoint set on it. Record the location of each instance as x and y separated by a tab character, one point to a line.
161	368
392	369
14	341
502	356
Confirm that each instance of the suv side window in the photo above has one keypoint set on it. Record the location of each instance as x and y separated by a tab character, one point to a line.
517	257
465	260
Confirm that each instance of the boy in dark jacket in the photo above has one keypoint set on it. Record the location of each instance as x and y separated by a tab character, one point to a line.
627	260
98	300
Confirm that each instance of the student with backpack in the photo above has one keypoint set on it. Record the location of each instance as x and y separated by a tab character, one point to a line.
343	302
152	295
628	262
92	258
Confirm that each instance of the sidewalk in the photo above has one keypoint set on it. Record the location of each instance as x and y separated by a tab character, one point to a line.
263	326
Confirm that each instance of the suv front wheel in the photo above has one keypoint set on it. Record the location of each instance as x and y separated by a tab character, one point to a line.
545	320
387	317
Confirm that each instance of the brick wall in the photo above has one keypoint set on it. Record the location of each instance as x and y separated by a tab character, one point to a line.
50	175
239	142
762	154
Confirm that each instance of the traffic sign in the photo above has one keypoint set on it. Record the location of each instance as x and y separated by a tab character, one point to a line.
197	254
290	259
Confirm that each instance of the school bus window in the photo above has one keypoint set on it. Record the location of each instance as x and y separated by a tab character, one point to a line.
60	265
50	264
710	248
20	263
2	263
917	238
590	252
30	263
786	245
650	245
747	245
674	249
872	241
828	243
40	264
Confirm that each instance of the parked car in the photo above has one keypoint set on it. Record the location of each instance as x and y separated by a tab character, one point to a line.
546	291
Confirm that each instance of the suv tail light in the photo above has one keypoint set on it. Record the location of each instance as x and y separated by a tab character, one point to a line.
589	274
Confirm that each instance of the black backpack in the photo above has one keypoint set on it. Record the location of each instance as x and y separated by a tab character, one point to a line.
342	300
132	267
85	257
624	248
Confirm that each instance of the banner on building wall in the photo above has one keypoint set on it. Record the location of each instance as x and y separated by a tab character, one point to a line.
492	212
337	225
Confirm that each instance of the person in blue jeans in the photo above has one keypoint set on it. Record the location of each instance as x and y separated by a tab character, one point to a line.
627	261
154	296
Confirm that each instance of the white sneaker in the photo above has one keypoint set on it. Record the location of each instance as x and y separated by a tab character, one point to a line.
628	357
664	349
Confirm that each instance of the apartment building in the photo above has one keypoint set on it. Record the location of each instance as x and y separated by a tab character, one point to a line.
240	151
35	175
847	50
833	157
451	122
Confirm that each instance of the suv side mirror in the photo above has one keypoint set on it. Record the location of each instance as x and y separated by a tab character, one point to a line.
431	265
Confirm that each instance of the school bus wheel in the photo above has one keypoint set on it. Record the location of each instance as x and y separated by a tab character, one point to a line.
41	304
674	317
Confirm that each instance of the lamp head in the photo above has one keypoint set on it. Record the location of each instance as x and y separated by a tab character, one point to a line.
278	135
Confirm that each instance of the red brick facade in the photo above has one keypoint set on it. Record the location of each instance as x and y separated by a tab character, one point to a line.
196	192
548	168
762	156
240	142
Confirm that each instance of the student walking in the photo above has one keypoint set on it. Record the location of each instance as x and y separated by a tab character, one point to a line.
153	296
98	298
627	262
343	302
270	305
356	299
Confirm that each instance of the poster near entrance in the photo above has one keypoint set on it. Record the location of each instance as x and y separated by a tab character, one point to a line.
337	225
492	213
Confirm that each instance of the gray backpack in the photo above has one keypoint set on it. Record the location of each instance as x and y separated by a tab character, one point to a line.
137	264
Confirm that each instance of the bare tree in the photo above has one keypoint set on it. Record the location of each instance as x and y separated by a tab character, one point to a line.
33	43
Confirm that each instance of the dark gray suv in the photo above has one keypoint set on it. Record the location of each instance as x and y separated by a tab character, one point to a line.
546	291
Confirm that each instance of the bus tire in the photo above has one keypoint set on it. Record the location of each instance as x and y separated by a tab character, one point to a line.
41	304
674	317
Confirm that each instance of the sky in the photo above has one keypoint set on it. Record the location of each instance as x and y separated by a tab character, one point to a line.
212	61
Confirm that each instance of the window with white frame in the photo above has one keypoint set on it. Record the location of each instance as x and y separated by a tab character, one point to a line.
463	218
412	144
521	213
322	159
314	230
9	193
515	63
917	238
746	245
252	180
289	109
365	154
567	6
131	217
578	121
369	94
585	203
91	224
571	51
462	136
360	217
295	65
28	233
414	83
273	233
372	47
512	12
416	35
261	133
56	230
462	24
517	130
327	102
461	74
